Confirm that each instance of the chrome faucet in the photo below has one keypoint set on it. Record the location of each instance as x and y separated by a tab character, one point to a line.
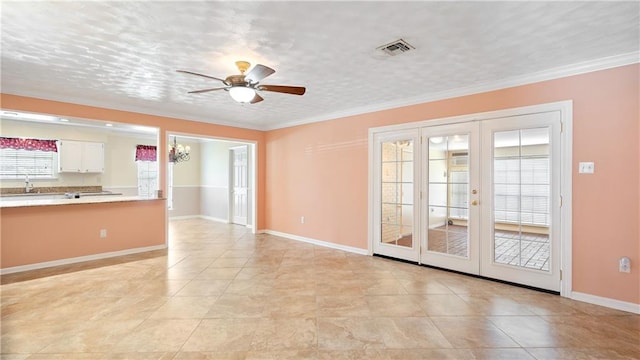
27	185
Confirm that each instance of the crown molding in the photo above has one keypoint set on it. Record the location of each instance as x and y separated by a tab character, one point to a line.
545	75
550	74
129	108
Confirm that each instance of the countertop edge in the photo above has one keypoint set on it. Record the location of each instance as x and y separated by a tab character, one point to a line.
80	201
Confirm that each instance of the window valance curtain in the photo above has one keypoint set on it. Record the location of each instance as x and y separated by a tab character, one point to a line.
28	144
146	153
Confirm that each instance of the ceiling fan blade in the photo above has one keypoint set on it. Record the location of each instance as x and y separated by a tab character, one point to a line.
205	90
258	73
256	99
196	74
294	90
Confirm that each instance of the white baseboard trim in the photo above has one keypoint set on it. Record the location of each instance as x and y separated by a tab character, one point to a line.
213	219
317	242
79	259
607	302
184	217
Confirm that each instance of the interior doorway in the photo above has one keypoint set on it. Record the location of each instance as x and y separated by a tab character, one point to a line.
203	186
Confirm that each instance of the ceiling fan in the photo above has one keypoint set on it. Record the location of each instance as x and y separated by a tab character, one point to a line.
243	88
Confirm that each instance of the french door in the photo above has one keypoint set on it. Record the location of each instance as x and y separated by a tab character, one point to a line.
397	179
480	197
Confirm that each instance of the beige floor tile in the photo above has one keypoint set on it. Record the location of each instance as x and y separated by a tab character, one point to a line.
285	334
237	306
600	333
257	274
229	262
287	306
381	286
369	354
495	305
209	355
31	336
204	288
533	331
349	334
223	335
411	333
14	356
218	273
96	336
158	335
424	287
422	354
501	354
472	332
129	308
445	305
582	354
282	355
343	306
105	356
294	286
250	287
185	307
395	305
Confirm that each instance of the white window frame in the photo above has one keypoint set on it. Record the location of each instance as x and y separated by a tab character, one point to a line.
20	159
148	184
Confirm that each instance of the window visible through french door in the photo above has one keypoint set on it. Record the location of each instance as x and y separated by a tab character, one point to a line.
480	196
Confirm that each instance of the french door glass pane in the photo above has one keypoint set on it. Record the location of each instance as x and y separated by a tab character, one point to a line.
448	185
521	204
397	193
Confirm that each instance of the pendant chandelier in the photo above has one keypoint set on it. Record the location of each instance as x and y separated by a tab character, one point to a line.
177	152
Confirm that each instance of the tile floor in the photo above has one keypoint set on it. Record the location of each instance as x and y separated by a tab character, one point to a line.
221	293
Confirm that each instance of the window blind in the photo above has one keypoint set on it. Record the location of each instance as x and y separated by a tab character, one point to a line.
18	163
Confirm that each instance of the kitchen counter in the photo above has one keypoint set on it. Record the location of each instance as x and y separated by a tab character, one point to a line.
27	201
42	231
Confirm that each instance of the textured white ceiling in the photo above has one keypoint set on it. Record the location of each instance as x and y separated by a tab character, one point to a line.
123	55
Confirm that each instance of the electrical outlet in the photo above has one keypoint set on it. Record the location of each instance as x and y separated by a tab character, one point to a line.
103	233
586	168
301	219
624	265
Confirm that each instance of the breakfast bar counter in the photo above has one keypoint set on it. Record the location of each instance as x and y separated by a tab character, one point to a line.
38	232
23	201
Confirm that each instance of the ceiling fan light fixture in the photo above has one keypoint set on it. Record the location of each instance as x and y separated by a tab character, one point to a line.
242	94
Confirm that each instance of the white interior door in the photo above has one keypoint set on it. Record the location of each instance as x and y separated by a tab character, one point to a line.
396	198
450	182
240	185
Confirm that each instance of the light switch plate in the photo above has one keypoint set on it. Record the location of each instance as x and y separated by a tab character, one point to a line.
586	168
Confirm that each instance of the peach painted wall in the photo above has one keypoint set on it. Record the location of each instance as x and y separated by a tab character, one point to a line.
165	124
38	234
320	171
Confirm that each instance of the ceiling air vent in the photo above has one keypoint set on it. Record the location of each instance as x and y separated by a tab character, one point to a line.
396	47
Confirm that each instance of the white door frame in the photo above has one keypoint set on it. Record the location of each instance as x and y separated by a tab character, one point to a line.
253	169
566	117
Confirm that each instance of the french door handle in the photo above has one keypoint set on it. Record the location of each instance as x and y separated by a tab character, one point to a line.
474	202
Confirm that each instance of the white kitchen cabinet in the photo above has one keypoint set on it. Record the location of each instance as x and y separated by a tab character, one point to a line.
80	156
